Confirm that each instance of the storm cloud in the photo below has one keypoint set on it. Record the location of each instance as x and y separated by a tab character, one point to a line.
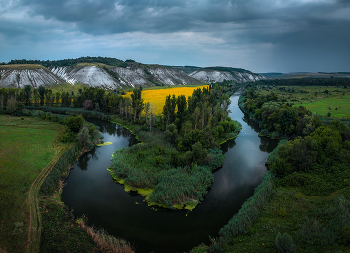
260	35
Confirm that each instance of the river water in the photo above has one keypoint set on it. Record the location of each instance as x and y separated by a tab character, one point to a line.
90	191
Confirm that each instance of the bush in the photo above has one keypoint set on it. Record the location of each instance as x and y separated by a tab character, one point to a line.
284	243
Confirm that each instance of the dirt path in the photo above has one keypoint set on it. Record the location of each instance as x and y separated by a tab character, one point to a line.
34	226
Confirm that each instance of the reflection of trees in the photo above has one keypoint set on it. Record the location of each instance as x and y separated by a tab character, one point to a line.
251	123
228	145
264	143
94	156
83	161
110	128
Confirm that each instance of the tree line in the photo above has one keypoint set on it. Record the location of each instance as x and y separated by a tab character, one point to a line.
71	62
345	82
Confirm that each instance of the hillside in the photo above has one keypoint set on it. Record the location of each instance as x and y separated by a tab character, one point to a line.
90	75
111	73
21	75
219	74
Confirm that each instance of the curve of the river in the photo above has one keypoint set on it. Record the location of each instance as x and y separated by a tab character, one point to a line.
90	190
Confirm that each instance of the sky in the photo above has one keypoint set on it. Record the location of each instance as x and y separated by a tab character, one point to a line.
258	35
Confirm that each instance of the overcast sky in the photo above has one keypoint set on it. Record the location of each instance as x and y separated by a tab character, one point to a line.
258	35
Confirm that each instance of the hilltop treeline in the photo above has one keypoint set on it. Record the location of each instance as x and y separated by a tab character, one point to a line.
71	62
305	82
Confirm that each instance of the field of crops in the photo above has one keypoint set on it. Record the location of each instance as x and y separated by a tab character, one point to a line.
157	97
26	147
318	99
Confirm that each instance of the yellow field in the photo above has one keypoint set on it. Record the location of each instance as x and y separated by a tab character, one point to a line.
157	97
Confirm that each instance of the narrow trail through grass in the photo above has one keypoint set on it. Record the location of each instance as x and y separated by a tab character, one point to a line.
34	227
27	145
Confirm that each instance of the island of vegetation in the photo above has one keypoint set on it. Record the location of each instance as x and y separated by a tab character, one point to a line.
172	166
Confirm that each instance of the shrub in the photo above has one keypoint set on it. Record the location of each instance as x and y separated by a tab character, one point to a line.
284	243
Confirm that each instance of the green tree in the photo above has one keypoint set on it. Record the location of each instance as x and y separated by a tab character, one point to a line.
28	93
41	91
169	110
11	104
57	97
74	123
181	106
136	103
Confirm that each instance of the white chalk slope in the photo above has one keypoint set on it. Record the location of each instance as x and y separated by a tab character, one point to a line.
212	76
34	77
148	74
90	75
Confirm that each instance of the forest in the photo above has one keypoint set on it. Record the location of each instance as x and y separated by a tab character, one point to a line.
305	82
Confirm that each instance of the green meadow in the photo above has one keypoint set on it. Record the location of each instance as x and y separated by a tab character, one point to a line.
27	145
337	106
318	99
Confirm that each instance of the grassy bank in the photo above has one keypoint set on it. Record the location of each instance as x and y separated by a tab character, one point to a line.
32	157
311	221
27	145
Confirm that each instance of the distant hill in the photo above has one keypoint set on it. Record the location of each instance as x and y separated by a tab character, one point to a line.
271	74
26	74
112	73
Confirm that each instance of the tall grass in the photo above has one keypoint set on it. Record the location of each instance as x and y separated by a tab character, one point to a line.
51	182
104	241
247	214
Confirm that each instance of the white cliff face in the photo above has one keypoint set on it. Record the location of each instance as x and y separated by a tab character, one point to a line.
146	76
212	76
171	76
34	77
134	78
90	75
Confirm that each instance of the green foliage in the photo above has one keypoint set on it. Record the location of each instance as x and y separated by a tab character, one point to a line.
71	62
178	186
284	243
59	232
51	182
74	123
84	138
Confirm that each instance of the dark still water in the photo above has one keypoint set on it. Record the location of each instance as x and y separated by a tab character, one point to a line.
91	191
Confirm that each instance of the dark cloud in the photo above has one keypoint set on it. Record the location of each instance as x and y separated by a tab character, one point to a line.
298	30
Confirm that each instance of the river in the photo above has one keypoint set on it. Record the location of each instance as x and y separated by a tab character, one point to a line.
90	191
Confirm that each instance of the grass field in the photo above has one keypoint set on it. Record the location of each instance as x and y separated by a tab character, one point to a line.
67	87
156	95
26	147
315	99
286	213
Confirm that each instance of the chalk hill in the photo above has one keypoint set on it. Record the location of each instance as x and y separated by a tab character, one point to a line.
111	73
